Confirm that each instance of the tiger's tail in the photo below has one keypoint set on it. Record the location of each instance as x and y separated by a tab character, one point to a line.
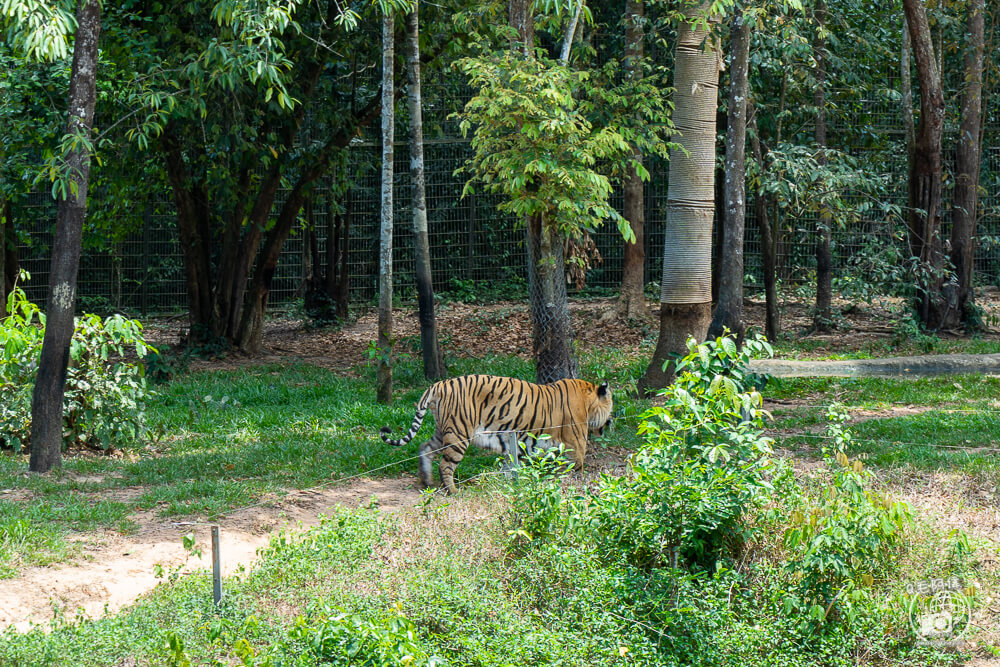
418	419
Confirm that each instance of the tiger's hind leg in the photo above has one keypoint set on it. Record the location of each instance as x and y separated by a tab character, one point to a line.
429	451
452	453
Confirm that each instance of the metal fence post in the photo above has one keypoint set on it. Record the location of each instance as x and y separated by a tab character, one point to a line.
147	216
216	567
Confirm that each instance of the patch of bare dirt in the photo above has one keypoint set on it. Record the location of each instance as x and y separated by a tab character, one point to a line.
466	330
476	330
119	569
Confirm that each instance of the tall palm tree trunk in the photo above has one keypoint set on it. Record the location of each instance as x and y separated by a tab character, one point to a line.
686	288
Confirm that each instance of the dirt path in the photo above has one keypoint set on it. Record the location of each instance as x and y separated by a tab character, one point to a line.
119	569
923	366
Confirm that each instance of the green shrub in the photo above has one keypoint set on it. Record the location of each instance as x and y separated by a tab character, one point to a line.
842	538
701	470
331	636
104	402
540	511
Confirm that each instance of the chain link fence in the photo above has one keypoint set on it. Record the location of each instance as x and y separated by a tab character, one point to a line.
472	245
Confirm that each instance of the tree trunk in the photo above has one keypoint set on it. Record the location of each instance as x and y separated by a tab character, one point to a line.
823	315
4	222
384	389
550	323
190	201
729	308
343	295
523	22
47	400
906	93
772	326
431	349
967	164
686	295
632	300
924	186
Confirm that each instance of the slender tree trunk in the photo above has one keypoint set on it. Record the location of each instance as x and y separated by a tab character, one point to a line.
570	34
190	201
47	399
924	217
906	94
632	300
729	308
967	163
4	222
823	315
686	295
344	281
772	326
384	389
431	349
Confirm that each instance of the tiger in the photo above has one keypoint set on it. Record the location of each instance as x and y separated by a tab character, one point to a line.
494	413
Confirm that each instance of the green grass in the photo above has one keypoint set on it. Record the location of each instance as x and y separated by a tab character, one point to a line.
469	603
957	427
230	437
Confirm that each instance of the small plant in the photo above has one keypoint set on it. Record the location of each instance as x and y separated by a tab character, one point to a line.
332	636
842	539
540	511
104	400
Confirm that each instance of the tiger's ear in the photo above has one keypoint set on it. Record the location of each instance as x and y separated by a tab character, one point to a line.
603	389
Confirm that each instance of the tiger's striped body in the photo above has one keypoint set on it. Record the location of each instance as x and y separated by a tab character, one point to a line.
495	412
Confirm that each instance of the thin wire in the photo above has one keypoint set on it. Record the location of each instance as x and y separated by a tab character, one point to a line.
341	480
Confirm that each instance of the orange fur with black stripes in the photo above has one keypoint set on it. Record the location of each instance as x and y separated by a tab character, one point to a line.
496	412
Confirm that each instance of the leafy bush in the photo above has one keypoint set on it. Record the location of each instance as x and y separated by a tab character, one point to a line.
702	469
843	538
334	637
104	403
540	511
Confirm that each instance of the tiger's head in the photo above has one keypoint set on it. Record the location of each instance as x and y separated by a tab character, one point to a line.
599	408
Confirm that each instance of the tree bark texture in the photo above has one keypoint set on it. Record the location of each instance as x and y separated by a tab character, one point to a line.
967	163
924	185
729	308
906	93
686	289
550	322
430	348
823	315
384	368
632	300
47	399
523	22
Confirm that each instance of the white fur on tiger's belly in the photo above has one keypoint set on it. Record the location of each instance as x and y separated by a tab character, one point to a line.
487	439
